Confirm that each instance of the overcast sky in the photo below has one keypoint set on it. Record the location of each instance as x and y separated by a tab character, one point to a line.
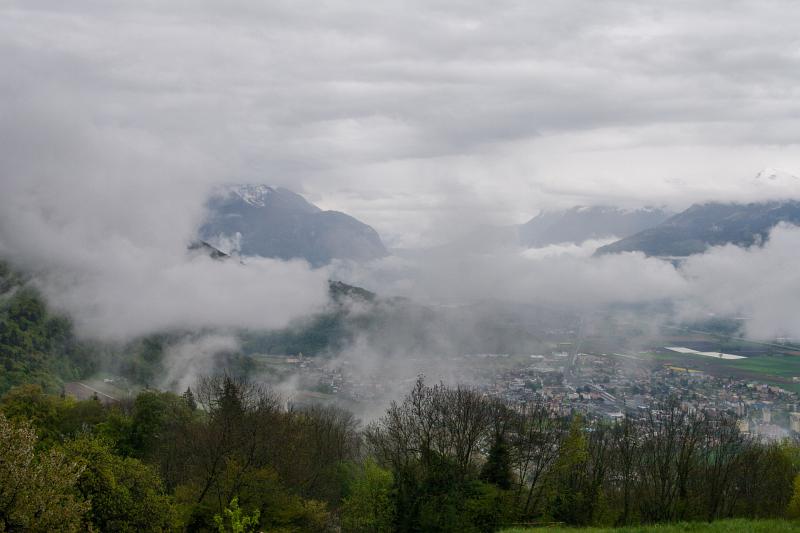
408	114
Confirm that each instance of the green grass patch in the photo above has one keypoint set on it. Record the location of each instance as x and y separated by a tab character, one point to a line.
791	387
787	366
721	526
775	370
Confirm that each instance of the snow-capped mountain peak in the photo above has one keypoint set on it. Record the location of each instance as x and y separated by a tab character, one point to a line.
253	194
258	220
774	176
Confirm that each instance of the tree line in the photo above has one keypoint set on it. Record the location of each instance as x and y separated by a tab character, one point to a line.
230	455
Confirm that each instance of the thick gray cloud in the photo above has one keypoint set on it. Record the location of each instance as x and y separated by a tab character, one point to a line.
564	275
417	117
101	214
760	284
384	109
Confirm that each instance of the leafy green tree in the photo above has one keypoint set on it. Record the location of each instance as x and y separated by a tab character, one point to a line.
116	431
280	509
37	489
143	432
149	414
126	494
487	507
567	497
30	403
235	521
794	504
448	503
440	497
53	417
368	506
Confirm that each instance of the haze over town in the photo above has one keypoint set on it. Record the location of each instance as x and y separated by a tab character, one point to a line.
589	207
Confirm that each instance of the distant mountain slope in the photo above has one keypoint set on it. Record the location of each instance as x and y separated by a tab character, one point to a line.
388	326
37	345
710	224
583	223
203	247
275	222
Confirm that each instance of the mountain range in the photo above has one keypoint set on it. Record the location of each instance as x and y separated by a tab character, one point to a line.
710	224
579	224
258	220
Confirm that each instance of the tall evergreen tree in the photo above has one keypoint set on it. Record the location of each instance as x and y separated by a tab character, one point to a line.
188	397
497	469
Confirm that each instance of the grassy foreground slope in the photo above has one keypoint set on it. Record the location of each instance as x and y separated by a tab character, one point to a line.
721	526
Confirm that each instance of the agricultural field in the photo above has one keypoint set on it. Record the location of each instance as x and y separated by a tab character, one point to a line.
772	369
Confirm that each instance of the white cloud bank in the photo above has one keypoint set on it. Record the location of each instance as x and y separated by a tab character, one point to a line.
102	215
401	111
760	283
115	118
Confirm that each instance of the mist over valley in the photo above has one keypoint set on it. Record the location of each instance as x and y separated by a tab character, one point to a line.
399	266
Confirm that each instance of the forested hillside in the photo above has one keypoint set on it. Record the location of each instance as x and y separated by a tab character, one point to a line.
711	224
36	345
228	455
39	346
232	455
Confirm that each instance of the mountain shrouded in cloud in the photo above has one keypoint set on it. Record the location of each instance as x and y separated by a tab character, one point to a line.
711	224
257	220
411	117
580	224
399	112
406	145
100	222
